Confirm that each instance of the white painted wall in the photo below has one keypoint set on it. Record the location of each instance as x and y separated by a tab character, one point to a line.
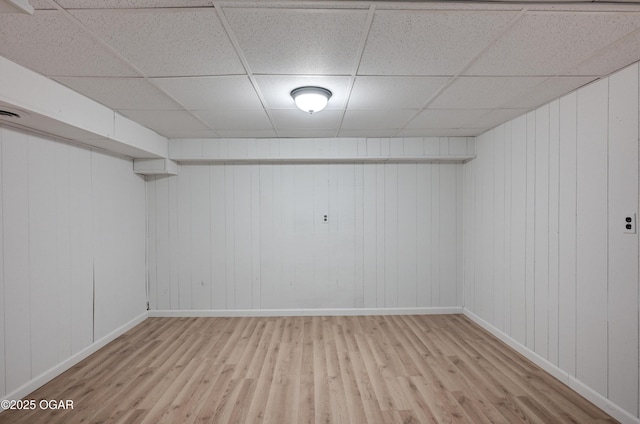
72	265
345	149
251	236
547	262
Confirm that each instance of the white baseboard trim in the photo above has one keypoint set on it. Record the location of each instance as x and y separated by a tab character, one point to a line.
303	312
585	391
63	366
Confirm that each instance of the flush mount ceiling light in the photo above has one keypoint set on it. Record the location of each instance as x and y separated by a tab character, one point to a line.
311	99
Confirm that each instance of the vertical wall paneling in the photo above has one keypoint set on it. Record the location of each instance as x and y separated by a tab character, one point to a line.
73	257
256	286
269	251
518	274
287	288
571	272
345	236
153	233
119	210
424	235
242	235
554	170
131	226
80	189
303	237
507	226
407	252
623	248
104	243
184	239
200	244
359	282
448	256
567	234
217	238
480	248
541	233
369	236
530	234
63	249
230	267
592	236
469	229
174	254
163	268
498	227
488	240
447	239
17	303
380	224
435	234
392	238
478	239
42	260
459	296
391	235
3	379
322	249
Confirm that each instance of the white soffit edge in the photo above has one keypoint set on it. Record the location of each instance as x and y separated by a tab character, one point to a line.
16	6
60	111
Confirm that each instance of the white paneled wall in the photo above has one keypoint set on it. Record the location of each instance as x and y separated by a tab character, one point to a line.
408	149
252	236
73	252
547	260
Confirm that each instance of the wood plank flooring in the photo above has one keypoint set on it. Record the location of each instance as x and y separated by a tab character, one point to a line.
371	369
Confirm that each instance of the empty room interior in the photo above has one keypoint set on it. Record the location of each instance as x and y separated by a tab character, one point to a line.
315	211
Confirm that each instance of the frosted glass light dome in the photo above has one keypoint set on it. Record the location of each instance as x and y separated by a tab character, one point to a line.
311	99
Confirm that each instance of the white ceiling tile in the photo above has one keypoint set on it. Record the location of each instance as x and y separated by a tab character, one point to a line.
411	42
496	117
121	93
41	4
445	118
301	41
49	43
617	56
550	44
376	119
412	50
546	92
229	119
276	89
223	92
296	119
370	93
483	92
161	120
441	132
166	42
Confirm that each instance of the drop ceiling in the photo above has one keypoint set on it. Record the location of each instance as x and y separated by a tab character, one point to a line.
207	69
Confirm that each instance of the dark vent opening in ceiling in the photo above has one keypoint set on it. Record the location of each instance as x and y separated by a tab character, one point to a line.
9	114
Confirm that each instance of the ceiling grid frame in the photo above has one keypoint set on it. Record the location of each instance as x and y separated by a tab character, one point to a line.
370	101
442	89
245	63
124	60
354	72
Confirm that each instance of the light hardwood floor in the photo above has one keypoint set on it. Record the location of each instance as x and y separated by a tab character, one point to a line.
373	369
